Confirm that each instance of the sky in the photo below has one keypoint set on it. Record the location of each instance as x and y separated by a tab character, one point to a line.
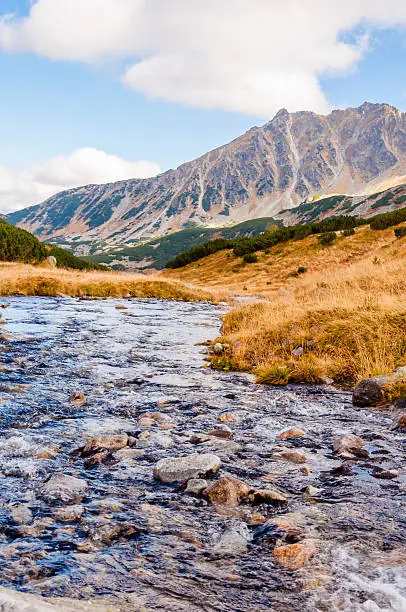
94	91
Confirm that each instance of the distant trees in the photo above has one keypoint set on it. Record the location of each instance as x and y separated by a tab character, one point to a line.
19	245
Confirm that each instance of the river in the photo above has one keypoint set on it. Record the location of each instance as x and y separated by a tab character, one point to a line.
146	545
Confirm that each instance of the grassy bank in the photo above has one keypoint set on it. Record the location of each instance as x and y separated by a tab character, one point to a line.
344	323
44	281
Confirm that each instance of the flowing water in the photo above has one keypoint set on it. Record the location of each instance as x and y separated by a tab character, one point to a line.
150	546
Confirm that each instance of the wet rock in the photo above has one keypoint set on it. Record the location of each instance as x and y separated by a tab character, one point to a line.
227	491
383	474
295	556
233	541
103	457
196	486
21	514
105	530
349	445
121	307
218	348
292	456
69	514
160	440
77	398
199	438
129	453
66	489
292	432
400	422
228	417
311	491
222	433
102	443
268	496
149	419
306	470
179	469
371	391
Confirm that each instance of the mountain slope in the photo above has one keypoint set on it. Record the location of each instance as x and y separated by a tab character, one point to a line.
268	169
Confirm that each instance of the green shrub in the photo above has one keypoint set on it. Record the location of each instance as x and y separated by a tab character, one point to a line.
250	258
349	232
301	270
400	232
327	238
385	220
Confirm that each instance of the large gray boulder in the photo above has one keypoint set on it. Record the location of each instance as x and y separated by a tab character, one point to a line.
66	489
371	391
179	469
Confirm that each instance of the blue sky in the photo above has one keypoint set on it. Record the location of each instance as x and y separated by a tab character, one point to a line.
60	99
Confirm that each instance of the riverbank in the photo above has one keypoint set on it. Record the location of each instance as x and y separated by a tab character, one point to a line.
340	325
24	279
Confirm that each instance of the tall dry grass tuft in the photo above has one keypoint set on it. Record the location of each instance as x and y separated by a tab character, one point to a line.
345	323
42	281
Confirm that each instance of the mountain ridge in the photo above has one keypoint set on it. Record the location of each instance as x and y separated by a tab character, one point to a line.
267	170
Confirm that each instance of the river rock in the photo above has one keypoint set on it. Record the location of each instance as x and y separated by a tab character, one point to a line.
233	541
77	398
218	348
268	496
179	469
196	486
21	514
69	514
227	491
295	556
66	489
160	440
292	456
371	391
349	445
292	432
102	443
400	422
13	601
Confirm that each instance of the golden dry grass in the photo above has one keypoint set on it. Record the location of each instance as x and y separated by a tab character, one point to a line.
347	312
278	267
41	280
349	321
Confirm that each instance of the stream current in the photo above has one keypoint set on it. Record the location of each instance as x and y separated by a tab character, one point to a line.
146	545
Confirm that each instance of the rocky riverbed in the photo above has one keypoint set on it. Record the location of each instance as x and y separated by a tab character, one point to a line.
133	475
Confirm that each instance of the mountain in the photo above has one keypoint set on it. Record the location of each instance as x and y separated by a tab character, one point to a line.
269	169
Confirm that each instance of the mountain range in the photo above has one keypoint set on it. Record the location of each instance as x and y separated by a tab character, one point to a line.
290	162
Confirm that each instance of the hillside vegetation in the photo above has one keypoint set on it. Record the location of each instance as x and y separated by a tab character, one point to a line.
19	245
336	310
156	253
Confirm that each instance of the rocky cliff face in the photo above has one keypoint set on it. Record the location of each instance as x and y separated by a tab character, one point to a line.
267	170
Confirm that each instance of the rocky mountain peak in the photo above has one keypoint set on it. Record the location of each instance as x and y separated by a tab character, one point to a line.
293	157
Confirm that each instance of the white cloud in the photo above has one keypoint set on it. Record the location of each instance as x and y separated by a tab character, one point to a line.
21	188
251	56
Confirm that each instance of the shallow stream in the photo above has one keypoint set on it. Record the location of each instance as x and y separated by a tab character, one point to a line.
151	546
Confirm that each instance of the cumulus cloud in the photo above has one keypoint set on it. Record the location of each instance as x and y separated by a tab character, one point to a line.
21	188
251	56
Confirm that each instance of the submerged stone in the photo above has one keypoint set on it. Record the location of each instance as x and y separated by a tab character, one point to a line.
66	489
179	469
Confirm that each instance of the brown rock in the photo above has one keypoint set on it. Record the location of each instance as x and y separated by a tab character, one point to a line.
371	391
292	456
77	398
349	445
292	432
69	514
268	496
400	422
295	556
227	491
221	433
108	442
